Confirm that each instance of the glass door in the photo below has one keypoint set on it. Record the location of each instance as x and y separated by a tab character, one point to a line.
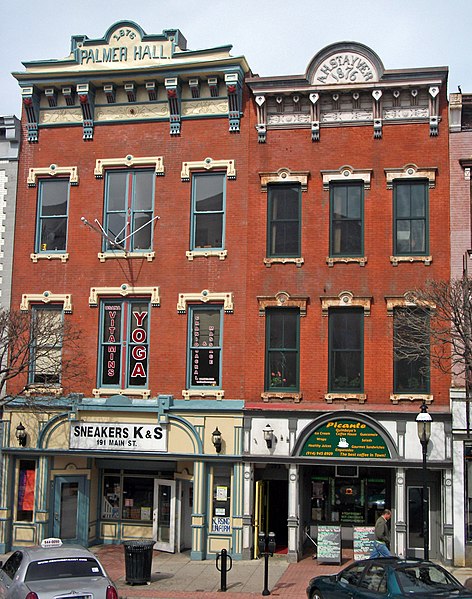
164	515
70	509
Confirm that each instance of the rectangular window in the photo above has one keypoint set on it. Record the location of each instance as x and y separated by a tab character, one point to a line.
346	368
205	346
284	212
127	497
208	211
411	366
124	343
221	499
53	200
47	332
410	218
347	212
25	494
129	201
282	349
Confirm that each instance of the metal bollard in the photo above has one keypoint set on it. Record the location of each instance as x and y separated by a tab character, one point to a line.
223	566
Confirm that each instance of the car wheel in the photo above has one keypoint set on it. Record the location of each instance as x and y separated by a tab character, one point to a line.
316	594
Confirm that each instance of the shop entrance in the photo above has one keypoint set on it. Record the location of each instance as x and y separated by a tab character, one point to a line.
164	515
70	509
272	511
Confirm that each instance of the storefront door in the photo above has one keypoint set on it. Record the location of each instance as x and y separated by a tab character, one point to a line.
164	515
415	522
70	509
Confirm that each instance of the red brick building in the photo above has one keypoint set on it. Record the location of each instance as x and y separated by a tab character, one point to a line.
234	249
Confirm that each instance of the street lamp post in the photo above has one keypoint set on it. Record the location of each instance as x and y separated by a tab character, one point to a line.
423	422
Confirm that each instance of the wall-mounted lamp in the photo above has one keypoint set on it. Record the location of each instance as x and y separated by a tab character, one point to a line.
216	439
21	435
268	435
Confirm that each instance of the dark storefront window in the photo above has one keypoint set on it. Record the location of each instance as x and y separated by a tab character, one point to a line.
25	494
355	500
221	499
127	497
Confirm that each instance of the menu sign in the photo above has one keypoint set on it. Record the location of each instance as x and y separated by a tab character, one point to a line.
364	537
206	348
329	544
346	438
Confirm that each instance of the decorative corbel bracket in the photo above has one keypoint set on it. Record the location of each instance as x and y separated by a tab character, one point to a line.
433	110
377	94
86	95
261	126
30	100
234	91
174	99
315	116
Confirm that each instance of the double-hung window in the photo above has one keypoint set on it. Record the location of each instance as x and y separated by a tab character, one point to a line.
411	366
129	206
346	367
282	349
205	347
284	218
124	343
410	211
208	211
47	332
347	213
53	200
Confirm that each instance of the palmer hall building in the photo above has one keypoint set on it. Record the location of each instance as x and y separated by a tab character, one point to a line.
234	250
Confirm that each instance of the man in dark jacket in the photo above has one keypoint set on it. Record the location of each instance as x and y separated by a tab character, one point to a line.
382	536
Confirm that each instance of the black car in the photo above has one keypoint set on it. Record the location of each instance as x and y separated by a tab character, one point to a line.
390	578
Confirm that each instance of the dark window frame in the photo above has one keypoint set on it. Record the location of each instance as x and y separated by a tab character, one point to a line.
413	367
41	246
410	218
357	185
274	223
194	349
277	379
198	216
333	381
34	377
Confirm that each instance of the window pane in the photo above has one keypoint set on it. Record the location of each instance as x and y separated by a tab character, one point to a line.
208	230
345	350
54	196
403	236
111	344
411	375
208	192
111	497
205	354
418	236
284	220
143	190
138	494
403	200
282	349
284	201
346	220
138	345
117	227
418	200
117	191
46	345
142	239
26	485
283	368
53	234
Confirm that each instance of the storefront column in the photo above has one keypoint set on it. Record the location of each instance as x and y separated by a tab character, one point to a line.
199	521
447	532
248	510
238	506
42	497
6	512
293	514
399	525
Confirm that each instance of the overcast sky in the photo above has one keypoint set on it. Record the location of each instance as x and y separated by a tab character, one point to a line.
277	37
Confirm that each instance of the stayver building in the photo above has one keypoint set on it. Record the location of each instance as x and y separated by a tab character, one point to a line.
235	250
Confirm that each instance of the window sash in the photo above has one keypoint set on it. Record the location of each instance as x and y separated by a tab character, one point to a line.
129	205
282	349
205	347
410	376
346	351
46	352
124	344
118	487
284	220
53	205
411	220
208	211
347	219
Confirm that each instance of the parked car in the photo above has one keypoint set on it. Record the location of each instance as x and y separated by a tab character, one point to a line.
389	577
52	570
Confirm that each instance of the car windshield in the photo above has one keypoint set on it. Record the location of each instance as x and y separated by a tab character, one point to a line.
66	567
425	578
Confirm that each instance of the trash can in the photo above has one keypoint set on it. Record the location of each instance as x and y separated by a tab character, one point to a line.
138	561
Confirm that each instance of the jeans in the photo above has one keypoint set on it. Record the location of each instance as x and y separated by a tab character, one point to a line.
380	550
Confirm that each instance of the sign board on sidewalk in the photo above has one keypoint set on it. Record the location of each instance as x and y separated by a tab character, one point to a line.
364	537
329	544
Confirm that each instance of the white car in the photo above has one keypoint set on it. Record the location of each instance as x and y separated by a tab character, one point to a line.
54	570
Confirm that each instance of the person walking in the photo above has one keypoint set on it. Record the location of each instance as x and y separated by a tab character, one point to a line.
382	536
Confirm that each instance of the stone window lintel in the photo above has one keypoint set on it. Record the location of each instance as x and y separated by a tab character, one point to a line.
46	298
345	299
411	171
53	171
208	164
206	296
125	291
282	299
347	174
129	161
284	175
